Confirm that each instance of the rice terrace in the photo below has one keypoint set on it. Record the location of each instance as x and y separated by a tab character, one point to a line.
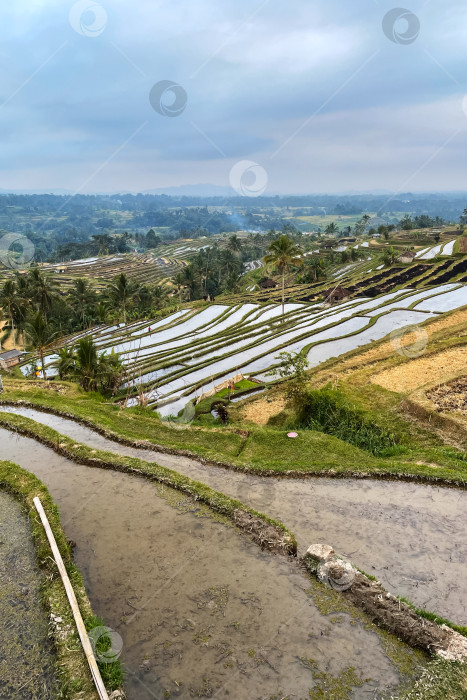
233	352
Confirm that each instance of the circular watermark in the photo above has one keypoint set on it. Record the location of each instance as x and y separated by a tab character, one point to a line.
183	421
168	98
417	336
248	179
88	18
107	644
256	492
337	574
14	259
401	26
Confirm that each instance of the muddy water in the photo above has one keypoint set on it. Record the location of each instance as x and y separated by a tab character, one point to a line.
26	657
201	610
413	537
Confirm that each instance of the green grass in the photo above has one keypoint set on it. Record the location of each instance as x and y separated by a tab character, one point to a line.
440	680
255	448
329	410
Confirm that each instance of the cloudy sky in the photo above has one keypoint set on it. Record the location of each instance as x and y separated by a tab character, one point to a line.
324	95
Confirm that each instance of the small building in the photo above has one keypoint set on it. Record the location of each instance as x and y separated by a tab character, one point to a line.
406	257
11	357
335	294
267	284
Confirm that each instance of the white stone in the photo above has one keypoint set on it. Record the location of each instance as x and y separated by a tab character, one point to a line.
320	552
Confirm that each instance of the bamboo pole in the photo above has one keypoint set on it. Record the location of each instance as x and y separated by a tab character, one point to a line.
83	635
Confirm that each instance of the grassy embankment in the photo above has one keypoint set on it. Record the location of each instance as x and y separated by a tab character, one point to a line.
72	670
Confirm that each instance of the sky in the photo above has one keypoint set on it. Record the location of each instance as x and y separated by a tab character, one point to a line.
296	96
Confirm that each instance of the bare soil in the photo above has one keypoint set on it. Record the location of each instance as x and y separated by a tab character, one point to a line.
451	397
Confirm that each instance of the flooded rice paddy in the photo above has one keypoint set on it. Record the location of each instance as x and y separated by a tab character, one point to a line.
202	611
413	537
26	656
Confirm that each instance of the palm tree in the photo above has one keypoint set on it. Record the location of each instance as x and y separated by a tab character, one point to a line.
235	243
331	228
283	253
97	372
8	300
41	336
179	280
87	364
316	267
66	362
390	256
43	290
81	296
122	291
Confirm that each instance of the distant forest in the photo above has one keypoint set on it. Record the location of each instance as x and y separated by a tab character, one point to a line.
67	227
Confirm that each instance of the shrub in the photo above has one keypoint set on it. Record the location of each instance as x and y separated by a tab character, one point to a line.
329	411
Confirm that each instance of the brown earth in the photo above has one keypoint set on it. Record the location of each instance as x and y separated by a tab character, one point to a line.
463	245
423	370
261	410
451	397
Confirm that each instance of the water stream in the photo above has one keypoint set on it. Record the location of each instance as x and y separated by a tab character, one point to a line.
413	537
202	611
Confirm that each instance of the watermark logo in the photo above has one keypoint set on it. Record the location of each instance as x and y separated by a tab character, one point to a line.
401	26
88	18
107	644
416	340
181	422
337	574
168	98
10	256
248	179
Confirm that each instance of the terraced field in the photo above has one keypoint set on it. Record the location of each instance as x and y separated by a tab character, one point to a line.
187	353
145	268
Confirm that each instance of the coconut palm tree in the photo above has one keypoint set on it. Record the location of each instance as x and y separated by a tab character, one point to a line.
81	297
40	335
234	243
331	228
43	291
8	301
283	254
66	362
122	291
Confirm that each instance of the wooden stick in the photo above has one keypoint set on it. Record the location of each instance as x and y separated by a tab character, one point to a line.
83	635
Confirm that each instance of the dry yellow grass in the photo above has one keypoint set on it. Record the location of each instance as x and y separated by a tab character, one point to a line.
423	370
261	410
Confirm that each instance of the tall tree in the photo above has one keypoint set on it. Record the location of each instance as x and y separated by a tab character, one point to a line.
40	335
122	291
8	301
283	254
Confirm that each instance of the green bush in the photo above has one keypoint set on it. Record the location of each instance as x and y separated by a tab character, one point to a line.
329	411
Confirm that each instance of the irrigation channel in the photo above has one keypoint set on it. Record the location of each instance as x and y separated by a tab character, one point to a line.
26	655
412	537
202	611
